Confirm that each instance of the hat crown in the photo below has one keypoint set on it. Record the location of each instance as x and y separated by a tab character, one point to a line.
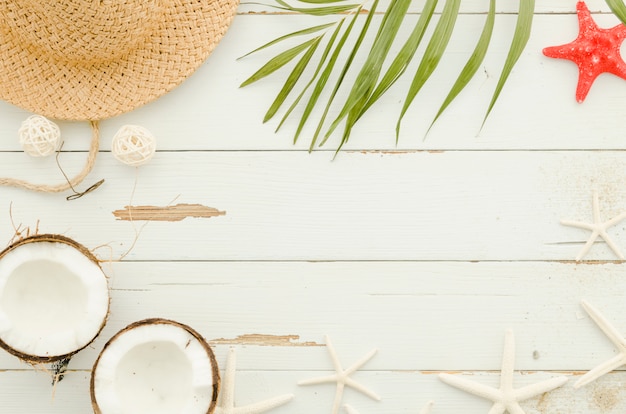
88	31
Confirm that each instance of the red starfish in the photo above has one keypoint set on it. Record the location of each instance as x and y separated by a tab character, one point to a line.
595	51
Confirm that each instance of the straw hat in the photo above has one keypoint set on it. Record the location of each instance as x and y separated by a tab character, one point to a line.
94	59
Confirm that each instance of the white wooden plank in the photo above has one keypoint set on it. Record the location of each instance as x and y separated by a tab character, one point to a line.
363	206
427	256
402	392
537	109
419	315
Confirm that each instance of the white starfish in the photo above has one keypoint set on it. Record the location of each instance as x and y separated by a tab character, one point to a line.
615	337
506	398
342	377
350	409
227	395
598	229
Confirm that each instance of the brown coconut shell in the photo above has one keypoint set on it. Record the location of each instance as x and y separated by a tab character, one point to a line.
50	238
159	321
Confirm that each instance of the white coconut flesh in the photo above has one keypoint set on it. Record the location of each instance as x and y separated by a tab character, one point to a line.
156	368
53	299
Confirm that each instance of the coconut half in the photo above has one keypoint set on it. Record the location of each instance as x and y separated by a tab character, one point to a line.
155	366
54	298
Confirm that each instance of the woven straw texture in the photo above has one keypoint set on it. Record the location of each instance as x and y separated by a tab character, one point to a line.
94	59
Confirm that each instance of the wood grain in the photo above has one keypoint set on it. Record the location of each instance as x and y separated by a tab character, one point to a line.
403	392
426	250
452	205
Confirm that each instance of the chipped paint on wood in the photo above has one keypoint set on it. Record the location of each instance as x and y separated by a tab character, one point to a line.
264	340
176	212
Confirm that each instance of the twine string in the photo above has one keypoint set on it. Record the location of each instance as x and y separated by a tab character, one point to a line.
69	183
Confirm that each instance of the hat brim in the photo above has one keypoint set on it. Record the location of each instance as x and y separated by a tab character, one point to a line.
74	91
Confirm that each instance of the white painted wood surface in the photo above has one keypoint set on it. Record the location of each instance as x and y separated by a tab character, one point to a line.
427	251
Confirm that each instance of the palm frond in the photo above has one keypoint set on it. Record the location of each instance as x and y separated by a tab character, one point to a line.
318	87
302	32
317	11
520	39
404	57
473	63
368	75
321	1
277	62
292	79
434	51
370	82
618	8
344	71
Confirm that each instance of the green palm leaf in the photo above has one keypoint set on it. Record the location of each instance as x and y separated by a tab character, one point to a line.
277	62
292	79
344	71
432	55
474	62
321	1
520	39
370	82
404	57
313	98
618	8
317	11
307	31
369	73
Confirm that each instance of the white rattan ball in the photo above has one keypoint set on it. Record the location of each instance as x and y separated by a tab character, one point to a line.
133	145
39	136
